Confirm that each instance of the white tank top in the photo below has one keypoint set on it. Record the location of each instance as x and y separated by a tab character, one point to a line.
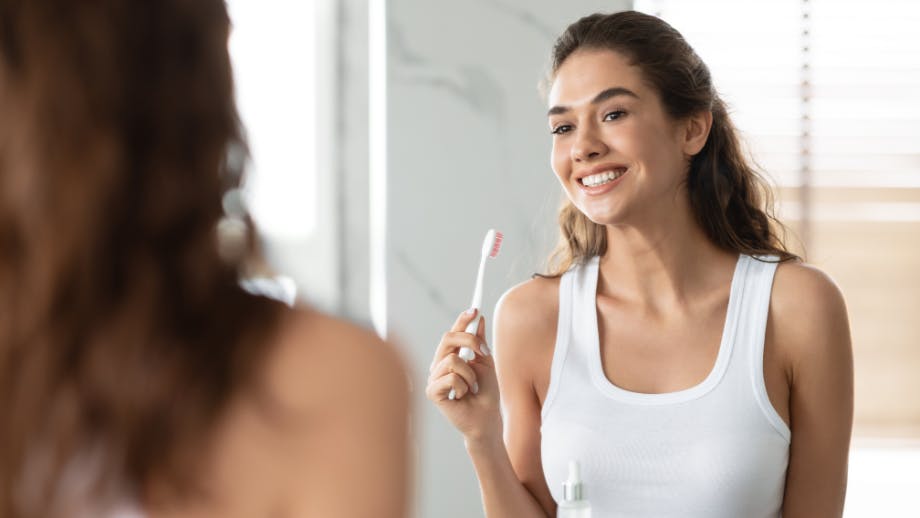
718	449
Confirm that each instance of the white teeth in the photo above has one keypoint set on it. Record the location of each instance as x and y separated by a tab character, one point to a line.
602	178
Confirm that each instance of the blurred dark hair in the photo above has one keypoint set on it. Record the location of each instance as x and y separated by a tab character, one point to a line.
729	199
123	332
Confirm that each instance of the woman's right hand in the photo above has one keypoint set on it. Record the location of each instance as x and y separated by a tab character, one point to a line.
475	409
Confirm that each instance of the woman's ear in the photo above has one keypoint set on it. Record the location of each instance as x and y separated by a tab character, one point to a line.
696	132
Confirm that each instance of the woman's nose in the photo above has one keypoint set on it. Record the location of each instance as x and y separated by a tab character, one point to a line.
588	145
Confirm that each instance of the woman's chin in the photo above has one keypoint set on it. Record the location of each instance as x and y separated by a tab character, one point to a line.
605	218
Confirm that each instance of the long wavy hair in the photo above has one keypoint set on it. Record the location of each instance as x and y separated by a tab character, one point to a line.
123	332
730	200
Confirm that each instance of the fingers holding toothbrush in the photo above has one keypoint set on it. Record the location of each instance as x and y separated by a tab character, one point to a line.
473	384
452	379
459	336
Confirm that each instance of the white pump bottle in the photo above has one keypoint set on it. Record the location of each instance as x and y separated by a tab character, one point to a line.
573	504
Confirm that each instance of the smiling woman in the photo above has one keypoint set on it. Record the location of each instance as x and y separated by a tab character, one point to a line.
725	193
676	350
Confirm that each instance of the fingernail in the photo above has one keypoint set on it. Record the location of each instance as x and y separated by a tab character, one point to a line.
485	350
470	311
475	387
453	395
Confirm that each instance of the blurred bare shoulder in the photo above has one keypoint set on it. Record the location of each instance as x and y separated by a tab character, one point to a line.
345	398
319	359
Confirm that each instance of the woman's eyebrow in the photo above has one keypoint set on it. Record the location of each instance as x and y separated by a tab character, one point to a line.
599	98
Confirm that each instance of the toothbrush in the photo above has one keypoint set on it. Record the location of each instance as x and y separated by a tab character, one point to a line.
490	247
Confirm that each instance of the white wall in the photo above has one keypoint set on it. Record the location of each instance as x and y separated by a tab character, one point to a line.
468	149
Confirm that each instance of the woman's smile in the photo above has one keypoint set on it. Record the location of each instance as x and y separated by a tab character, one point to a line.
601	182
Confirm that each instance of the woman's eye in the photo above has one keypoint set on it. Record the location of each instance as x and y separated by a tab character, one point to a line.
561	129
614	115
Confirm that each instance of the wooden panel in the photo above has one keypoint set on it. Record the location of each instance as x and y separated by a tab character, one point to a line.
877	266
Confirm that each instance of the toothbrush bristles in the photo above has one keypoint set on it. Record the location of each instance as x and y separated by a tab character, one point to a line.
496	244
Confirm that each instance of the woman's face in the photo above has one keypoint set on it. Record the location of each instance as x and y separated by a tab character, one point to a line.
619	157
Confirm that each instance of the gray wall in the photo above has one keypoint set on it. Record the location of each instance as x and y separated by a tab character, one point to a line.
468	149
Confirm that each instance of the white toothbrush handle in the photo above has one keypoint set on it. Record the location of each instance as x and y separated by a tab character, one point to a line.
466	354
473	327
477	292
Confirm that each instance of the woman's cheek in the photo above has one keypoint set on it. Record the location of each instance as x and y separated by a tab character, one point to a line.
559	158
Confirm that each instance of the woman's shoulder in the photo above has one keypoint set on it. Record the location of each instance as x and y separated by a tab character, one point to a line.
532	301
808	313
526	316
317	356
800	287
331	405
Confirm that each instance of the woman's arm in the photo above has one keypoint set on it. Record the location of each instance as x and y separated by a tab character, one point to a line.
525	332
509	471
810	323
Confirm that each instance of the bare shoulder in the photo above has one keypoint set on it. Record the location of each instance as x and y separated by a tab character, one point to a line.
525	331
320	360
808	312
344	400
530	308
809	322
525	337
805	295
330	404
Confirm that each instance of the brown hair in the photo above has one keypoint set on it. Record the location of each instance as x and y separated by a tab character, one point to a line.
123	332
729	199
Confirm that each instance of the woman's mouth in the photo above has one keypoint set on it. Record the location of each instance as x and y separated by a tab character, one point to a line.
596	182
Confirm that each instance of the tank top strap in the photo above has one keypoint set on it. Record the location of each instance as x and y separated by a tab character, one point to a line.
573	329
756	304
752	314
584	308
752	334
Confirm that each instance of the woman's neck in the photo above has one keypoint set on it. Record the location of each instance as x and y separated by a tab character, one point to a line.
662	265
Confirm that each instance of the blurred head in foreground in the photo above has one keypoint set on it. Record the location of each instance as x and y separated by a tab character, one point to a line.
123	332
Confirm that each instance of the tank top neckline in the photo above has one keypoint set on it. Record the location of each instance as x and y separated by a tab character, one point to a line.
726	344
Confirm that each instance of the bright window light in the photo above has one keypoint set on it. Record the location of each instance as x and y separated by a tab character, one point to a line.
377	52
272	46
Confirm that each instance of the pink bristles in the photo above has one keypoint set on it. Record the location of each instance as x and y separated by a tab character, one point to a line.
496	244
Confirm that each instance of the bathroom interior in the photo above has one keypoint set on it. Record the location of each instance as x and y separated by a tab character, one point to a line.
388	136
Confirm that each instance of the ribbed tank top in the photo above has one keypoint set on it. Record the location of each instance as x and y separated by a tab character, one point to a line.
718	449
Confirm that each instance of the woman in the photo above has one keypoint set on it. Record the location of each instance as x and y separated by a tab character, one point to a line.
135	374
678	351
